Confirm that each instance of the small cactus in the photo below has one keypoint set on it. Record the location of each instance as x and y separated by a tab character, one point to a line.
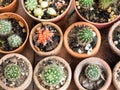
52	74
12	72
93	72
86	3
31	4
5	27
85	36
14	40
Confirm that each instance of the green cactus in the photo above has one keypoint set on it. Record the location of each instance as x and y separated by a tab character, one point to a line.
5	27
14	40
93	72
86	3
85	36
12	71
31	4
52	74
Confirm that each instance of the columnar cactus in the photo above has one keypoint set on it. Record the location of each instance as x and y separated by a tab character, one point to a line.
5	27
14	40
86	3
93	72
31	4
52	74
12	71
85	36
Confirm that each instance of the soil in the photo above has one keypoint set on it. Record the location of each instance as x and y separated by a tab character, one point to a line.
23	74
17	28
51	44
96	14
4	3
73	42
50	62
118	75
92	85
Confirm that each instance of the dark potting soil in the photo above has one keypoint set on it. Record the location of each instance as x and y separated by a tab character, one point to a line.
24	71
50	44
16	29
4	3
95	14
73	42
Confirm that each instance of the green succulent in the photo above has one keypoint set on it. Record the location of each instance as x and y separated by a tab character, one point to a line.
12	71
52	74
5	27
93	72
105	3
31	4
85	36
14	40
86	3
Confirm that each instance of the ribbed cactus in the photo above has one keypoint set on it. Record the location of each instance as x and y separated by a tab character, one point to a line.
12	71
85	35
93	72
86	3
52	74
14	40
5	27
31	4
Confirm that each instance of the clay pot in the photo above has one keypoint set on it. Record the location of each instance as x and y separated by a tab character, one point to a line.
115	75
110	38
28	79
93	60
83	55
54	51
19	18
59	59
56	19
12	7
98	25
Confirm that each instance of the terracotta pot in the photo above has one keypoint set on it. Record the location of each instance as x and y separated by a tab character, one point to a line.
115	80
84	55
110	38
17	17
54	51
93	60
28	79
56	19
59	59
12	7
98	25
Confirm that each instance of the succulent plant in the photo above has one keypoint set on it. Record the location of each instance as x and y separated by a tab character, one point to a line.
38	12
51	11
5	27
93	72
85	36
31	4
14	40
12	71
86	3
52	74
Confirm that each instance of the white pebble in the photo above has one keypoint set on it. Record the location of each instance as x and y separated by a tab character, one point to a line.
94	34
88	52
115	42
79	51
44	4
87	47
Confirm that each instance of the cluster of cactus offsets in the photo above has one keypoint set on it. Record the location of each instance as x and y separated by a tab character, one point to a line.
93	72
5	27
14	40
31	4
52	74
85	36
12	71
86	3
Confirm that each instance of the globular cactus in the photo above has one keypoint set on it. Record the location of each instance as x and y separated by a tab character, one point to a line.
93	72
52	74
5	27
31	4
14	40
86	3
85	36
12	71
